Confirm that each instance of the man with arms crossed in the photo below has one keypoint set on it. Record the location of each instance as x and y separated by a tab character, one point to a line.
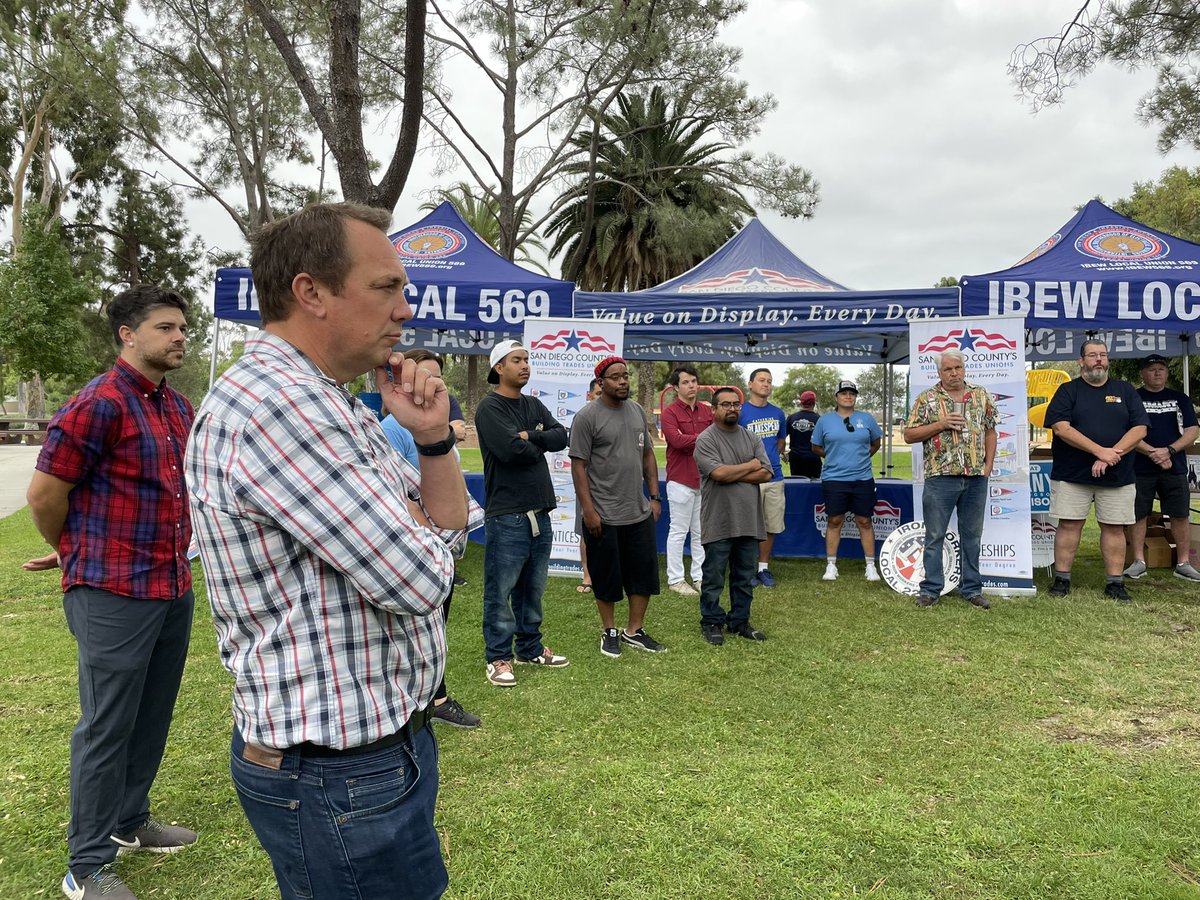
1096	423
682	422
515	433
767	420
327	563
611	457
1160	466
959	450
733	463
109	496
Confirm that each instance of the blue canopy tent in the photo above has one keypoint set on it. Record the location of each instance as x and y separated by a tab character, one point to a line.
465	296
755	299
1100	274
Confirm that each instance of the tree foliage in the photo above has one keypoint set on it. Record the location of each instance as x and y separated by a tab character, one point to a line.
1162	34
658	199
58	105
481	211
817	377
556	67
1171	204
41	302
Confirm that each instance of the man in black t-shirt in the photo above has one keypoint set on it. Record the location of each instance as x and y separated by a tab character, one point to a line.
1096	423
801	459
1161	466
515	432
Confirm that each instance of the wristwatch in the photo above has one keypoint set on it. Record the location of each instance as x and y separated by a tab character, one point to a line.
1171	451
441	448
656	497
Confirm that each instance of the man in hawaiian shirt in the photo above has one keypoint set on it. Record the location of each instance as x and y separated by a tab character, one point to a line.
959	449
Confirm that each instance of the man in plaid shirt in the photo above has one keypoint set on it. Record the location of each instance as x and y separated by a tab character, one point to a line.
327	558
109	496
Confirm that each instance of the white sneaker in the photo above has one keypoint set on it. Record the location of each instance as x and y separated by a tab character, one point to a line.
830	572
682	587
871	573
1187	572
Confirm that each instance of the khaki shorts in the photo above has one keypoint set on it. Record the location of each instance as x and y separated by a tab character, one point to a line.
773	505
1114	505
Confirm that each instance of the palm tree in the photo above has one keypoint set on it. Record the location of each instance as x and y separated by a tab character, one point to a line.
483	216
653	196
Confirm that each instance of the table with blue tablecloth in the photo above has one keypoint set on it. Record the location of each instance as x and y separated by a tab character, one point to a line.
804	519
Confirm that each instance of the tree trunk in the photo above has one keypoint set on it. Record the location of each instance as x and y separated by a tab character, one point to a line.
647	393
471	400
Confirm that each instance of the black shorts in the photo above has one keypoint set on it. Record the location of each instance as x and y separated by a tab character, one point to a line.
841	497
1172	490
623	560
805	466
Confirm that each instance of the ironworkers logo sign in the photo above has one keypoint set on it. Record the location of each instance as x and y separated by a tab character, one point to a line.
901	561
1121	243
430	242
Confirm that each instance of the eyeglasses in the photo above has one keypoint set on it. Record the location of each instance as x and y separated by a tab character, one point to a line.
729	404
849	427
623	376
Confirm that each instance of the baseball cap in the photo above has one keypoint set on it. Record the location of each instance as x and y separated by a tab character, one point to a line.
498	353
1151	360
808	397
847	386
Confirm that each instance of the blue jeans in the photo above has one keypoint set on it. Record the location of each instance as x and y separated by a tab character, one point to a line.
943	494
514	579
740	554
347	827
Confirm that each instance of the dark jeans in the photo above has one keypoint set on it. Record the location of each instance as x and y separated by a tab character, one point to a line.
514	578
942	495
348	826
131	657
740	556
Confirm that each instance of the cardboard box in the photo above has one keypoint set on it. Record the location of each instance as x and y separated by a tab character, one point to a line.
1160	553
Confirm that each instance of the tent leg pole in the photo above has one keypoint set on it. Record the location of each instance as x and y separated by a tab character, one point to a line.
212	355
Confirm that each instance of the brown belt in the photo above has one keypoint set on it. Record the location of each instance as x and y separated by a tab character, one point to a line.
273	759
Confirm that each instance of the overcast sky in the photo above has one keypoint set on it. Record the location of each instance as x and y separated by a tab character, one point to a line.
928	163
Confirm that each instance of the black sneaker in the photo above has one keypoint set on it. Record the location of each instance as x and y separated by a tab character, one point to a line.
748	631
925	600
155	837
713	634
610	644
451	713
642	641
977	600
1061	587
1117	592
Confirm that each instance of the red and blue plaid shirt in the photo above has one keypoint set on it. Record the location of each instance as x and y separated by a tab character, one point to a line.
121	441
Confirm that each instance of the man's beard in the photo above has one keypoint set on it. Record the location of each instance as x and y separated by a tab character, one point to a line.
1095	376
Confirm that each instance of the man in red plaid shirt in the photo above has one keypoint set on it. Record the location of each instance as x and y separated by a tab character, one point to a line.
109	496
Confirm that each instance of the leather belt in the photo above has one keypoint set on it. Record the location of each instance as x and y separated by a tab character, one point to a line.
273	759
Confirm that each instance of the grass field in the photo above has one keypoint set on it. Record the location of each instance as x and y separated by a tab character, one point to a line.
1043	749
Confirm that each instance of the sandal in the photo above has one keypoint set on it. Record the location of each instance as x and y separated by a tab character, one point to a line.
584	587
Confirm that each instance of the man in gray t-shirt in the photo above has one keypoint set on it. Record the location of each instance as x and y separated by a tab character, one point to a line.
612	456
732	463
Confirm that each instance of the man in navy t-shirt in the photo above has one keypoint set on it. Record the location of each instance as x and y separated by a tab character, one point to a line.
1096	423
1160	465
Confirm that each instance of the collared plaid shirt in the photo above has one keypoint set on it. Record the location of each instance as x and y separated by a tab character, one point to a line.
120	441
954	452
325	592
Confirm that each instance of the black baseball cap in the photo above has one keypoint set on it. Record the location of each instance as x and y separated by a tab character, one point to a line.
1151	360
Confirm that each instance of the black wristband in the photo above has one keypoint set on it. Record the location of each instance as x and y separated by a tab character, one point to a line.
441	448
1171	451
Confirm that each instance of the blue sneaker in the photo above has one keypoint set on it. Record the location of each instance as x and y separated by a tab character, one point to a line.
766	579
104	882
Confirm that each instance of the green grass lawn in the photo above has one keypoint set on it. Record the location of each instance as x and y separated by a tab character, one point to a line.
1046	748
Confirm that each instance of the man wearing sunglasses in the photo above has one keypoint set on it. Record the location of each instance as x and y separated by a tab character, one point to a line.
847	439
955	421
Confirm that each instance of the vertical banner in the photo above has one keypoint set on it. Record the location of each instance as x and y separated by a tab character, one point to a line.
994	351
562	357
